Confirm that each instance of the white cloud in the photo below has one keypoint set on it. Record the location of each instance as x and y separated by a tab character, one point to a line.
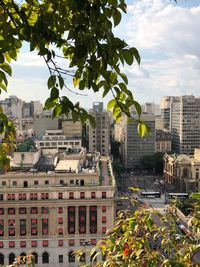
167	37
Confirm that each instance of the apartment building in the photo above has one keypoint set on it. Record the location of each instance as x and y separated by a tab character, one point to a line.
54	213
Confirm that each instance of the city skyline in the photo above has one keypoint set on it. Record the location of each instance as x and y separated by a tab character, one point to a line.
161	31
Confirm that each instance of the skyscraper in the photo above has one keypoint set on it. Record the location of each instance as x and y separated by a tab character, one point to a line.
185	124
99	137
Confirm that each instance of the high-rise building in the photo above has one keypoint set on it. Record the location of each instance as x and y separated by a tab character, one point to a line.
185	124
165	111
99	137
134	147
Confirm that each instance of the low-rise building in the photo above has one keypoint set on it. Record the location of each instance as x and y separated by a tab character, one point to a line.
55	139
54	213
183	171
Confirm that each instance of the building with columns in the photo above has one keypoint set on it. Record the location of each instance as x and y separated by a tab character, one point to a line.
183	171
54	213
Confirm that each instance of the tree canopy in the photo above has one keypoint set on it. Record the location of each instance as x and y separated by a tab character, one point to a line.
82	32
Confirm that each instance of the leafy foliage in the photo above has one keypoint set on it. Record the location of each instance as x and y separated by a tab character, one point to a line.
82	31
147	238
153	162
7	128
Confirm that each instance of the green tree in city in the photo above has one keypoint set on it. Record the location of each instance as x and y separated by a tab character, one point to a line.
81	32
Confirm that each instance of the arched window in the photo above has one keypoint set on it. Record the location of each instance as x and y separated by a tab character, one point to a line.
1	259
11	258
45	257
83	258
23	257
71	256
35	257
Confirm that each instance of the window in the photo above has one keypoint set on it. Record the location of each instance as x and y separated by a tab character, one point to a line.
36	182
45	243
60	243
60	195
103	208
45	210
82	194
60	210
1	197
60	231
14	183
3	183
44	196
11	244
61	182
103	230
93	194
45	226
22	226
22	244
1	211
82	258
34	210
1	244
71	242
103	194
71	195
45	257
34	243
71	256
11	211
60	220
60	258
46	182
103	219
22	210
93	242
71	181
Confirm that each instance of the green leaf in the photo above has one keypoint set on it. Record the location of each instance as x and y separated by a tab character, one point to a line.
111	104
54	93
106	90
128	56
135	54
3	77
6	67
142	129
61	81
137	107
49	104
76	81
51	81
2	86
75	116
92	121
117	17
1	59
123	76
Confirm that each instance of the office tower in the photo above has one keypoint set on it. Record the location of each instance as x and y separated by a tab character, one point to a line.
134	147
185	124
99	137
165	111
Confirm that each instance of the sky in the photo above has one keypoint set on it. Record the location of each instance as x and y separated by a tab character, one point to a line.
166	35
